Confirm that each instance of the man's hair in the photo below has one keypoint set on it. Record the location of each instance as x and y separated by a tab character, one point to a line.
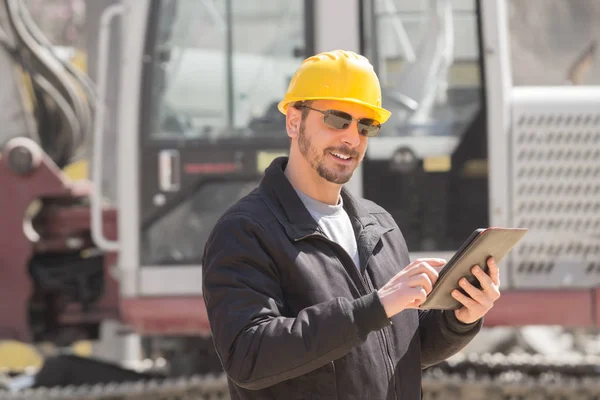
300	104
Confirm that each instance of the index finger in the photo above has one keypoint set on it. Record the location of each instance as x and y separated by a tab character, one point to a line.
440	268
425	267
434	262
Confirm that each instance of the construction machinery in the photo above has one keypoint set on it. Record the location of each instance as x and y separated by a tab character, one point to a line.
180	122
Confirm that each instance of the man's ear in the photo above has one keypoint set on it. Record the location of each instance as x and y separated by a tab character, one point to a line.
293	119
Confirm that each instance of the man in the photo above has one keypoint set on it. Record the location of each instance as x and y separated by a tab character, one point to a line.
310	291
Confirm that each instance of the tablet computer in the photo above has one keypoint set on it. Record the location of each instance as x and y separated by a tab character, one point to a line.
480	245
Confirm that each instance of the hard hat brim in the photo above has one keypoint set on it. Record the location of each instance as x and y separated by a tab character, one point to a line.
382	115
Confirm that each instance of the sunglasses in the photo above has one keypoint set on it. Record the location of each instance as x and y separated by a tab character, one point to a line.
341	120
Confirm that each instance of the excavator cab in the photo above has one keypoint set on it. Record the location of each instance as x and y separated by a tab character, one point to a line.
197	126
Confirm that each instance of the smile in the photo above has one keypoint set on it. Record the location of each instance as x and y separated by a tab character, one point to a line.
338	155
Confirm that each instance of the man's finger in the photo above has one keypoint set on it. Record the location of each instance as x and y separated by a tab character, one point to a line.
423	267
472	291
418	266
465	300
494	271
431	261
418	295
484	279
421	294
421	280
439	268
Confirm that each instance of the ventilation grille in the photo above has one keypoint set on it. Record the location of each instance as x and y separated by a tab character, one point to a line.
556	194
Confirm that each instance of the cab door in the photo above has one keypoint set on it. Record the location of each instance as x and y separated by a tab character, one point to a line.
202	99
429	165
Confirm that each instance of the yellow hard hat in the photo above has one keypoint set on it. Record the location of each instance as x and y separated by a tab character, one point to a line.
336	75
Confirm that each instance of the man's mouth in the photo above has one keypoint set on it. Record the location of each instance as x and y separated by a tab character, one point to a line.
340	155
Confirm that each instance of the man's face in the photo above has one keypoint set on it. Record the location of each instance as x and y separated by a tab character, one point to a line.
333	154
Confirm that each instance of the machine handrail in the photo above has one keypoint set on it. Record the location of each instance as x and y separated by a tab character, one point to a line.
97	229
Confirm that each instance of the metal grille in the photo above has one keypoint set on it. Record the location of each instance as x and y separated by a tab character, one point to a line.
555	167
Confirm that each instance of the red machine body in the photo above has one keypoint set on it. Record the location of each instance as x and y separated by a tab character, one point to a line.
46	271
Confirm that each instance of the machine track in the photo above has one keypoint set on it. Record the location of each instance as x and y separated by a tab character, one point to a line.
486	376
209	387
514	376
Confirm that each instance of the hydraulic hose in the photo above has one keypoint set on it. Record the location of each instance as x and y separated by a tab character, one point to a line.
64	96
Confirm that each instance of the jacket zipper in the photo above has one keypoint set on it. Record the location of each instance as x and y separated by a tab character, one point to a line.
387	347
362	286
335	380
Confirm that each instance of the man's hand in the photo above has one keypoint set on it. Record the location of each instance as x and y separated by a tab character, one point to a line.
482	300
410	287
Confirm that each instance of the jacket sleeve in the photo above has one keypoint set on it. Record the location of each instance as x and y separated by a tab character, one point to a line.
443	335
258	345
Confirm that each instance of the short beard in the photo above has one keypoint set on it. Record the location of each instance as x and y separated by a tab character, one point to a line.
310	154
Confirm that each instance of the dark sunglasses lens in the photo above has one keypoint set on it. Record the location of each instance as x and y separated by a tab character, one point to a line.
337	119
368	127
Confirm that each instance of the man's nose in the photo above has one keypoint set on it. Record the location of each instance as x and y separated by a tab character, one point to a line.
350	136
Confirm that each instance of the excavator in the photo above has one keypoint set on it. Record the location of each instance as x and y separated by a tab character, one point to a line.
180	121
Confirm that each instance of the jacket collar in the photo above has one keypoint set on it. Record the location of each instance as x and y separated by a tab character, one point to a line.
283	201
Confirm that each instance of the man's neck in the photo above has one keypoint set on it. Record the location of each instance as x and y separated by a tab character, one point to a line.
305	179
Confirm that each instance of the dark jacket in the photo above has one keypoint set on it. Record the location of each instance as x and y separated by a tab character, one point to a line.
293	318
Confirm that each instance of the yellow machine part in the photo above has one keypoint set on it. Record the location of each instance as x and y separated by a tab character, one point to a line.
17	356
77	171
79	60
